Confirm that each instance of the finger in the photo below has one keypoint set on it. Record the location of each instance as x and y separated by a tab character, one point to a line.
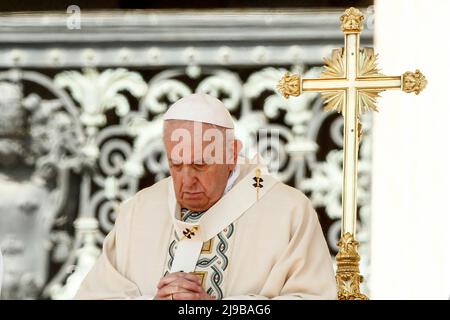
164	297
186	296
161	296
193	277
169	278
188	275
186	285
168	290
177	275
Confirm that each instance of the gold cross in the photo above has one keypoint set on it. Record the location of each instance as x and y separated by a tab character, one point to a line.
351	84
258	181
189	232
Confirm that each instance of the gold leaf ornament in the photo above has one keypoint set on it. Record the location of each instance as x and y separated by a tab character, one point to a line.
289	85
352	21
334	66
413	82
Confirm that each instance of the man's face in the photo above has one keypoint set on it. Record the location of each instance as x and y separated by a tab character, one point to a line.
199	177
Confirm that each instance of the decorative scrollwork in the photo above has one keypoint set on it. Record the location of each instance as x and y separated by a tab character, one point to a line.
42	136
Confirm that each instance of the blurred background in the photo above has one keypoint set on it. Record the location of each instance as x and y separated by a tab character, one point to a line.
83	85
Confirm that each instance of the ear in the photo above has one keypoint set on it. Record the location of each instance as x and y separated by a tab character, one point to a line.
237	149
237	146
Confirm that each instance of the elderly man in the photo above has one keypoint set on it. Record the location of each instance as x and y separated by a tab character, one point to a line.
217	228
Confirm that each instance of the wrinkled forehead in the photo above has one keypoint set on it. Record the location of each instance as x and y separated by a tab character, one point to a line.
196	142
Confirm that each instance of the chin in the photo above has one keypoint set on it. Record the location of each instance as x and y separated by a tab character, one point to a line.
197	209
194	206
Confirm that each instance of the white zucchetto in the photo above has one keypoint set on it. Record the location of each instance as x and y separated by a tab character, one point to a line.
200	107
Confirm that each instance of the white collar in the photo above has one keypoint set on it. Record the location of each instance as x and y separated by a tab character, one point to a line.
232	178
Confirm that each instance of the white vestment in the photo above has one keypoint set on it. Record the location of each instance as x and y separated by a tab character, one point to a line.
242	247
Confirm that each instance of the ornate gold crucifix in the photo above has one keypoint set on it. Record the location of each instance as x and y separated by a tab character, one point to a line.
351	85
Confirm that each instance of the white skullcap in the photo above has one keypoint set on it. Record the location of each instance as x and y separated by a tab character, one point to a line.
200	107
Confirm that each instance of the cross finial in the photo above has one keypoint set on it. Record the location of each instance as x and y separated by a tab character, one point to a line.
289	85
352	21
413	82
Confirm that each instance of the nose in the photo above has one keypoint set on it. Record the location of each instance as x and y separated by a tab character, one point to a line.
189	176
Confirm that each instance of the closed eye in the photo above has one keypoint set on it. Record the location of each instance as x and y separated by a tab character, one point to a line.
175	165
200	166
